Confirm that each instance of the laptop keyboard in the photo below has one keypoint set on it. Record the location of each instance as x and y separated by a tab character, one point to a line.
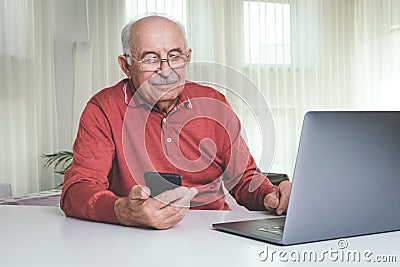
277	230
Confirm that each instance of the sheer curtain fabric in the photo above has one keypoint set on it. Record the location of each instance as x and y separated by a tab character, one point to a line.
27	102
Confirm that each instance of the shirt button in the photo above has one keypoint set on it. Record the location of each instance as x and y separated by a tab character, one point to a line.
169	139
164	120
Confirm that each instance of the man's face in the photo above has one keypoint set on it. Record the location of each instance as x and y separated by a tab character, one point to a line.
158	38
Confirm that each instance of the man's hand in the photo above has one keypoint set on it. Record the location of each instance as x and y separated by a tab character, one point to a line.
279	199
161	212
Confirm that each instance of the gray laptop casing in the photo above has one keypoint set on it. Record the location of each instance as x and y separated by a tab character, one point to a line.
346	180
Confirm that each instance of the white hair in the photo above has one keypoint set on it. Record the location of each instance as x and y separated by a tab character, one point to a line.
127	30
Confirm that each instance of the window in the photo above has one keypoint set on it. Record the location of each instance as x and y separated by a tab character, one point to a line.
267	33
173	8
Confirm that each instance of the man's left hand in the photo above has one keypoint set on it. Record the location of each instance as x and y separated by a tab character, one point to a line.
279	199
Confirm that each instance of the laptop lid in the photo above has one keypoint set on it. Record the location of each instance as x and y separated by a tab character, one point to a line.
346	180
347	176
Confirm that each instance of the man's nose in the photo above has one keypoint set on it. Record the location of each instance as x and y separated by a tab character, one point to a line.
164	69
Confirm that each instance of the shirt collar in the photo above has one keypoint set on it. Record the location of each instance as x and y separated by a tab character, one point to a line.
135	100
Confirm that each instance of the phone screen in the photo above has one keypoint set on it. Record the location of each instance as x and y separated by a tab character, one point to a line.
159	182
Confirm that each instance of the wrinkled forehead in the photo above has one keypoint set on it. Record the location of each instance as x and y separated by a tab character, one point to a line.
156	33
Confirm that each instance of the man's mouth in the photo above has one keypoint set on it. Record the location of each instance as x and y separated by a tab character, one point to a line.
163	82
164	86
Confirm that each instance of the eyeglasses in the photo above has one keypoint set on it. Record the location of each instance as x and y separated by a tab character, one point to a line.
153	62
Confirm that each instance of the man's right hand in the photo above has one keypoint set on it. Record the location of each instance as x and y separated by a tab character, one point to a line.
161	212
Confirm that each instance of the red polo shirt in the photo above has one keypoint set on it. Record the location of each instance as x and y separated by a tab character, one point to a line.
121	136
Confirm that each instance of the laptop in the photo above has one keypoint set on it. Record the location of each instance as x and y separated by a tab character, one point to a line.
346	181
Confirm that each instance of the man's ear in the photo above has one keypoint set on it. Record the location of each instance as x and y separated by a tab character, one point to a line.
189	55
123	63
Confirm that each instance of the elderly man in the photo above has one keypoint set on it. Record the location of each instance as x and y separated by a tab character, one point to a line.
153	121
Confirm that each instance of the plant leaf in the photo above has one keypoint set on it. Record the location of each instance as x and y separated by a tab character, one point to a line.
61	160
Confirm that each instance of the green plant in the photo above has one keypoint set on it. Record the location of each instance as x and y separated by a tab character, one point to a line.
61	160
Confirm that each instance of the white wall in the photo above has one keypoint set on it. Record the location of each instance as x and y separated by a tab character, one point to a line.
70	26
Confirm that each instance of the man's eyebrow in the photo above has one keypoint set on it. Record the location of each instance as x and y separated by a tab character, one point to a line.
144	53
177	49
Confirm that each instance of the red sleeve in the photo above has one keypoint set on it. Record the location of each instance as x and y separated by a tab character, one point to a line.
242	177
249	187
85	191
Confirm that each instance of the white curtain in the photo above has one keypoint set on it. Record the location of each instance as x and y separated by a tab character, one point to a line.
95	60
340	54
303	55
105	20
27	102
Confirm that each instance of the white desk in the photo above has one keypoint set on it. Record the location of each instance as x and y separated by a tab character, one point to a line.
43	236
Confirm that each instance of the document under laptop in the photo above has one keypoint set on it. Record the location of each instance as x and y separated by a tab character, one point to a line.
346	181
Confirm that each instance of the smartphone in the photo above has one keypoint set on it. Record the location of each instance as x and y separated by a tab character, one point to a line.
159	182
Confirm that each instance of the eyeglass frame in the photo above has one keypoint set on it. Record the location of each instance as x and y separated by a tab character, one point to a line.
140	61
